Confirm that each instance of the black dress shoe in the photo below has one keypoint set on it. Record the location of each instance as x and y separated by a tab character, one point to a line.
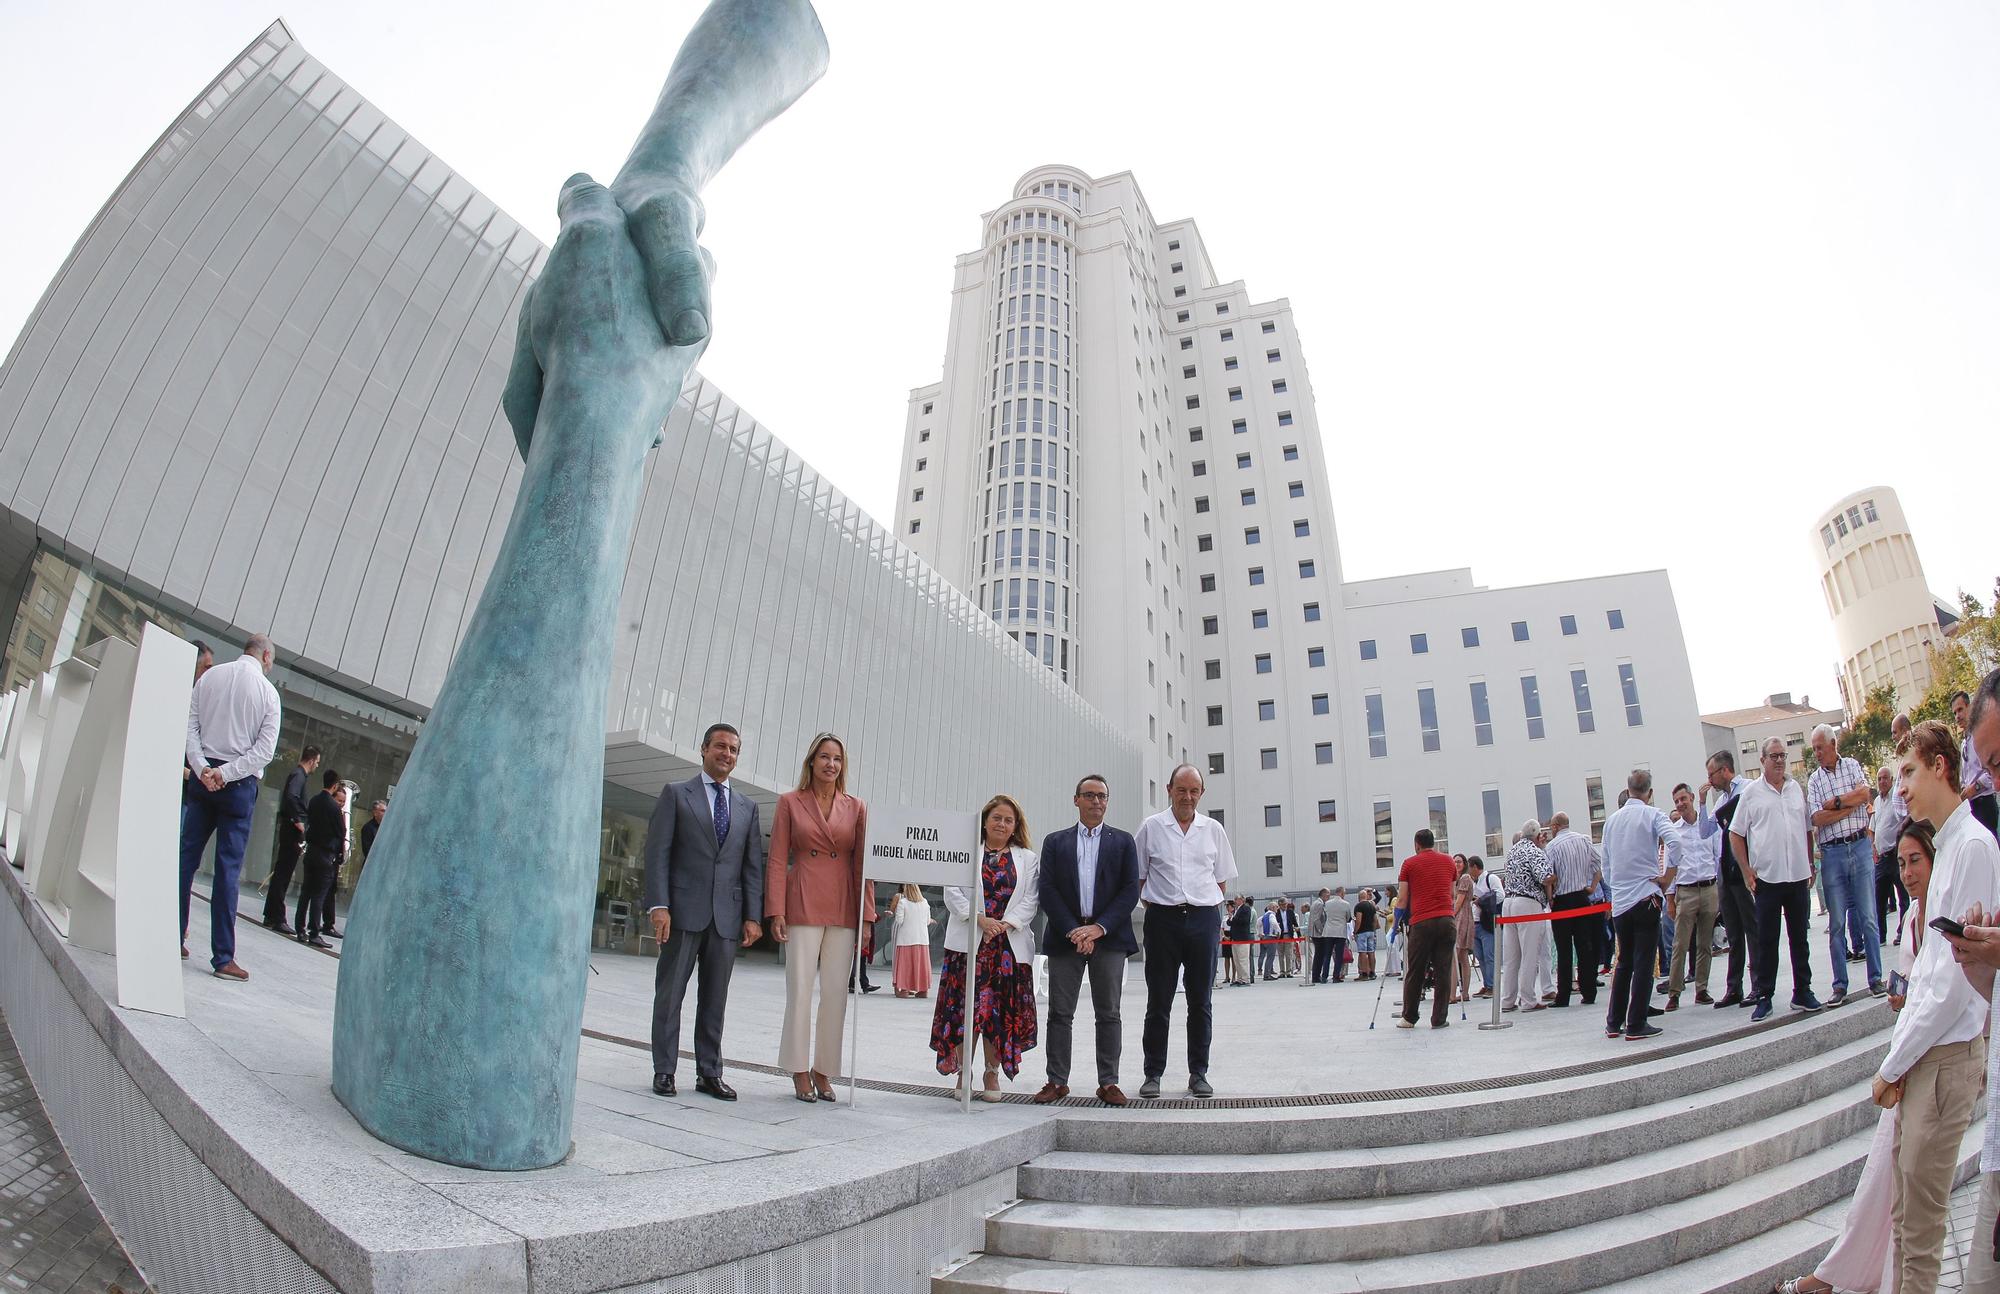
317	942
1150	1089
663	1085
279	928
332	933
714	1087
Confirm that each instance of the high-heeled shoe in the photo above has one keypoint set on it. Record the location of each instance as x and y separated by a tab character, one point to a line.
822	1086
802	1089
991	1089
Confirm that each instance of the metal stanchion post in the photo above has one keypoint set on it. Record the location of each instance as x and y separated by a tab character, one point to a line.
1499	977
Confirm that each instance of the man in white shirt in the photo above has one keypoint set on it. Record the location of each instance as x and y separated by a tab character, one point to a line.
231	735
1885	828
1632	840
1692	903
1736	911
1185	864
1773	842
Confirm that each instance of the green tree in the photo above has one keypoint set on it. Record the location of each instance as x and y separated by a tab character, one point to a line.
1957	666
1867	737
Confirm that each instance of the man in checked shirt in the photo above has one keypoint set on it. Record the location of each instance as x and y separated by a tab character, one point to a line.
1837	793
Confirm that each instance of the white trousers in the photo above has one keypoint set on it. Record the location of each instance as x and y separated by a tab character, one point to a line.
1524	954
820	955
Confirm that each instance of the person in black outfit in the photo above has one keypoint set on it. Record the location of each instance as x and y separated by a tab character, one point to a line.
291	840
326	846
1242	929
376	813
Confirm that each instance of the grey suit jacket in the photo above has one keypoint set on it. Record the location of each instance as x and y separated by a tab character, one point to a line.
686	872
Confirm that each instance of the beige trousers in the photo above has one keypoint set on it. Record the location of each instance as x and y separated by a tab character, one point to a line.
811	1039
1939	1094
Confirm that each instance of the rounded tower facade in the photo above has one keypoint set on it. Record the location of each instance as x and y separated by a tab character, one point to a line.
1884	619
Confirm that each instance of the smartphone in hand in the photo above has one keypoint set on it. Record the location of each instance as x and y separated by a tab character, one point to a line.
1946	926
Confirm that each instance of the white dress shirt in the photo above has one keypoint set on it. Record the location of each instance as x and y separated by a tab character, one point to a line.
1698	862
1773	824
1177	866
1889	820
1941	1006
233	717
1632	839
1087	839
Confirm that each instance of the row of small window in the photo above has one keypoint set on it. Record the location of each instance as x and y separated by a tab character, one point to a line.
1243	462
1227	334
1229	365
1248	498
1420	644
1221	308
1050	650
1036	251
1236	396
1039	342
1482	711
1061	191
1307	570
1044	278
1031	309
1026	501
1036	415
1261	617
1028	456
1267	710
1255	534
1033	550
1267	760
1036	375
1852	519
1041	604
1044	219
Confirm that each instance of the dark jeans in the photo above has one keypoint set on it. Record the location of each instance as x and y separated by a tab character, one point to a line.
224	814
1738	914
291	847
1791	903
1106	968
1889	885
313	915
1339	943
1429	955
1322	959
1181	942
1638	930
1577	953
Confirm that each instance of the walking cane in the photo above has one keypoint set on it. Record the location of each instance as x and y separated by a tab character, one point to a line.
1382	982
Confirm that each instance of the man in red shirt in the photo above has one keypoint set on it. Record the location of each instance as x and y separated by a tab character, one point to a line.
1424	888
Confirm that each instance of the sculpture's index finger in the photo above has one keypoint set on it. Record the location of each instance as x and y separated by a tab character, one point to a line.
583	199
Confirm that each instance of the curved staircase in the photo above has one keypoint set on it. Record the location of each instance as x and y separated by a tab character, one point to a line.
1717	1168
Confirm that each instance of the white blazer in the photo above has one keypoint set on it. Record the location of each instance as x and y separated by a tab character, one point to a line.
1020	914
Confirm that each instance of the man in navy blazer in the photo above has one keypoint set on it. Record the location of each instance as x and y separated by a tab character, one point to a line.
704	888
1089	886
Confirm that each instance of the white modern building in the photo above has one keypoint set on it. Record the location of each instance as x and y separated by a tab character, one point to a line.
1886	622
1122	465
1745	731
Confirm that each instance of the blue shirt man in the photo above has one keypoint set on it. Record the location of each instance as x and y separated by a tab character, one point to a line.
1633	838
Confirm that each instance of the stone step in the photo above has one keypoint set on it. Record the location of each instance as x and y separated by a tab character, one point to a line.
1755	1265
1425	1116
1089	1177
1629	1245
1680	1166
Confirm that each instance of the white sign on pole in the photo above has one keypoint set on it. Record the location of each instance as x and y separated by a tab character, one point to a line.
927	847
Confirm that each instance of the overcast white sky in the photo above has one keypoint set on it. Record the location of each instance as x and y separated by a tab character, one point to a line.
1583	287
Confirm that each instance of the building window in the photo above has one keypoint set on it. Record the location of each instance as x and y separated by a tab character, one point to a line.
1307	568
924	436
1229	364
1329	861
917	495
1222	307
1215	716
1175	268
1274	816
1617	617
1301	528
1419	644
1438	824
1378	733
1367	649
927	408
1204	543
1867	508
1482	716
1315	658
1630	683
1215	763
1279	387
1545	802
1569	626
1270	327
1263	662
1579	686
1228	334
1270	357
1267	758
1208	584
1291	453
1174	246
1238	427
1468	637
1312	612
1209	625
1520	631
1260	619
1236	393
1267	711
1297	489
1201	503
1187	343
1427	716
1242	461
1593	790
1274	865
1194	402
1198	467
1285	418
1247	497
916	525
1489	804
1385	836
1212	669
1323	754
1217	815
1180	292
1826	534
1531	702
1320	704
1180	316
922	463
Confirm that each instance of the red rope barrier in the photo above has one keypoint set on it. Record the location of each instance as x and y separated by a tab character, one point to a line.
1590	911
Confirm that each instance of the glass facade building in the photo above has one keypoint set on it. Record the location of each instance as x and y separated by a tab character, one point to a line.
262	396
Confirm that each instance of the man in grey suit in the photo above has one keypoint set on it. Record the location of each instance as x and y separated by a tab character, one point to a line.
704	885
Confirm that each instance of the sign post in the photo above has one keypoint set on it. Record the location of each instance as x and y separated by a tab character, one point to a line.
928	847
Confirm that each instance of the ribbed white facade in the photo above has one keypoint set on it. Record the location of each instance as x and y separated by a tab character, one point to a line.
1885	621
1118	430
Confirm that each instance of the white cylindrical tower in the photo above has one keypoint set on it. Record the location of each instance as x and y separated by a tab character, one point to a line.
1884	619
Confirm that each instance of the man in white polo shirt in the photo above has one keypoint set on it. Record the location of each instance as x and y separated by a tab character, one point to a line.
1771	836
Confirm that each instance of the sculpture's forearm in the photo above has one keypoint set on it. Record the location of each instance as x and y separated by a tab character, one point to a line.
744	62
